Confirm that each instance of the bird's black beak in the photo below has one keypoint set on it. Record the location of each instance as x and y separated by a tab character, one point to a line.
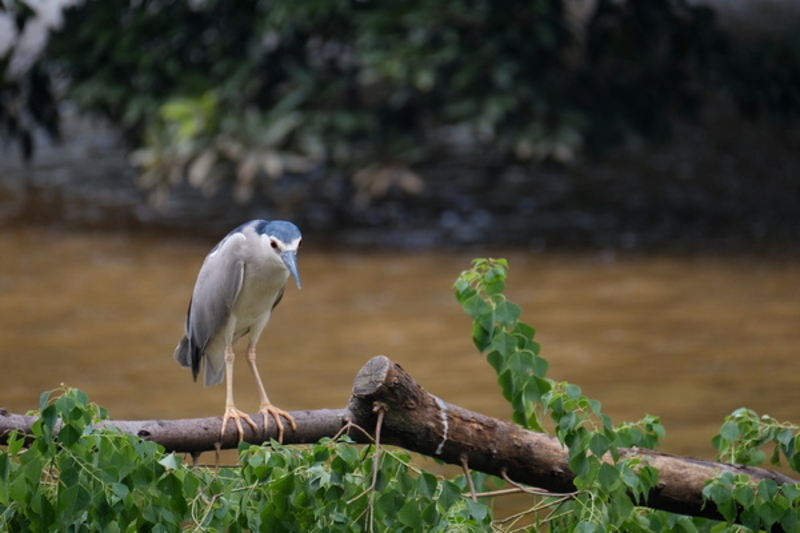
290	260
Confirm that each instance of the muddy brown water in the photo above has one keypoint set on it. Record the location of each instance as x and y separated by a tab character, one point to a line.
687	338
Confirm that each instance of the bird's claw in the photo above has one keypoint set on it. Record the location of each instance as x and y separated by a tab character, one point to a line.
268	410
232	412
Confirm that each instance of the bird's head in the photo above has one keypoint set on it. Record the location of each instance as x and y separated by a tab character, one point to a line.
285	239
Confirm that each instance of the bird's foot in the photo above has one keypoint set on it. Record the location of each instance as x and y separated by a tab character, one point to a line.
231	412
267	410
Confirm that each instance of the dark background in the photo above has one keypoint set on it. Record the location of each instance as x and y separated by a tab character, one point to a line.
543	124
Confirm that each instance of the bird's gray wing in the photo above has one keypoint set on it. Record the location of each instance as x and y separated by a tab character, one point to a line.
218	284
279	297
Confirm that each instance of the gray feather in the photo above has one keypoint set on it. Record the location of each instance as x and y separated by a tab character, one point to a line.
182	354
215	291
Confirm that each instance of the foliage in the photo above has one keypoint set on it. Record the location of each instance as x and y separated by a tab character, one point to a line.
250	91
84	477
744	434
284	87
609	487
741	439
757	507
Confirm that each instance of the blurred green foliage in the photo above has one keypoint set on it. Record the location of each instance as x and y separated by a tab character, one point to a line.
254	90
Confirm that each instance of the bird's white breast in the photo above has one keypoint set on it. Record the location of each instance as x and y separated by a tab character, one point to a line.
265	276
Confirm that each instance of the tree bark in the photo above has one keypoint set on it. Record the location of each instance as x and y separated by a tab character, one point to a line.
420	422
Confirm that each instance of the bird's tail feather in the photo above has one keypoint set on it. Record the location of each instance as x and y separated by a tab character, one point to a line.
182	353
213	374
188	356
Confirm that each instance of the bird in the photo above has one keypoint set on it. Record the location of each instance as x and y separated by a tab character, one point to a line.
239	284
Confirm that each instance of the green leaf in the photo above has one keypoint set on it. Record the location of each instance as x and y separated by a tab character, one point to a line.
481	337
72	499
573	391
120	491
744	494
410	516
792	492
5	470
580	465
49	418
785	437
464	290
608	476
15	443
497	361
80	397
69	435
631	480
427	484
504	343
522	363
449	495
767	488
64	404
599	444
540	367
44	400
493	282
475	306
21	489
770	512
539	387
720	494
648	476
477	510
507	313
585	527
791	521
729	431
170	462
524	330
752	457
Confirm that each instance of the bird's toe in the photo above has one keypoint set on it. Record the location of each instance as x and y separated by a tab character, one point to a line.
269	410
231	412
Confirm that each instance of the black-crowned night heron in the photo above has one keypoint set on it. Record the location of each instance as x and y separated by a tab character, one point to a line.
241	281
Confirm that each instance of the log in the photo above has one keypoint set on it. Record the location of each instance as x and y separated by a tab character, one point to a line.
195	435
421	422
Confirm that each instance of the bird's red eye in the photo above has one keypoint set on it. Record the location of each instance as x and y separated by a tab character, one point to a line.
274	244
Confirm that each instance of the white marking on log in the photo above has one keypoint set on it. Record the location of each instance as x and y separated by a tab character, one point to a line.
443	418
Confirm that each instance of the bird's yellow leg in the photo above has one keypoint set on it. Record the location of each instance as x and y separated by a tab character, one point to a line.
266	408
231	412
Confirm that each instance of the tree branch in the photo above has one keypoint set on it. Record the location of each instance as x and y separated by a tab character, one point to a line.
420	422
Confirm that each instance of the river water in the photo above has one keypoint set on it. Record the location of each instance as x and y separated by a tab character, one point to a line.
689	338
